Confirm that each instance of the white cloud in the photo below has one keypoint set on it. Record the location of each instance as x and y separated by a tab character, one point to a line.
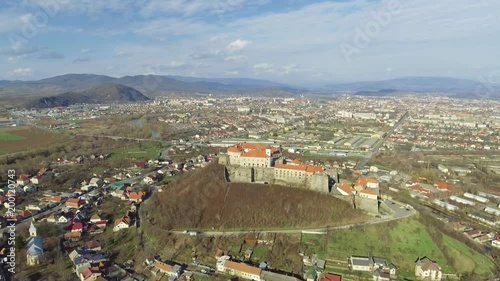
175	64
263	67
191	7
235	58
86	51
238	45
232	72
21	72
11	59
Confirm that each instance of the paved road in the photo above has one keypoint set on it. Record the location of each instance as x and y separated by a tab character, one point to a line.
399	213
375	149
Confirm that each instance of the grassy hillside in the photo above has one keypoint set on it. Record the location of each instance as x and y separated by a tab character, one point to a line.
401	242
203	200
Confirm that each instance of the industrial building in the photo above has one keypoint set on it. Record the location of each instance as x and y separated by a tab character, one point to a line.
462	200
445	205
476	197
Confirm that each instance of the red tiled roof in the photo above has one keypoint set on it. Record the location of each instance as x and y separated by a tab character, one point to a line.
331	277
442	185
368	191
364	181
163	266
298	166
73	201
256	153
417	187
346	187
136	195
242	267
55	199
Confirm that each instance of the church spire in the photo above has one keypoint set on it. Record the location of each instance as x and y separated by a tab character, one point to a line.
32	230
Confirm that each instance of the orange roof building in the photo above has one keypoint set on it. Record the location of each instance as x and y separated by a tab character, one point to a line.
252	155
368	193
443	186
242	270
346	189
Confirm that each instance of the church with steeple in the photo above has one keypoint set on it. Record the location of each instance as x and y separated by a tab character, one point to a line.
35	247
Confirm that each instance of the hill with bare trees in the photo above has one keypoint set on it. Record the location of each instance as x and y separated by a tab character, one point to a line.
203	200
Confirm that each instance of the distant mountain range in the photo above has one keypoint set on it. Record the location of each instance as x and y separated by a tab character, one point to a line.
71	88
456	87
104	93
151	85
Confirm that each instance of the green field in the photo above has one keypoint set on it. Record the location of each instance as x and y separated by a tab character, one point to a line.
467	259
4	136
400	242
142	152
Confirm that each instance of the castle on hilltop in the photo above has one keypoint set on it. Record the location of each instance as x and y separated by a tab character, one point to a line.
260	163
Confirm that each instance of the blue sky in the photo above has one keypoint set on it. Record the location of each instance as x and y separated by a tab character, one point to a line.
291	41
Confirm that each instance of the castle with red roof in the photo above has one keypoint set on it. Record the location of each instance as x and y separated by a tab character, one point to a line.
250	162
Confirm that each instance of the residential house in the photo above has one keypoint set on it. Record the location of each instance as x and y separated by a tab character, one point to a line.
271	276
74	203
95	218
23	179
117	193
121	223
377	263
90	274
241	270
51	218
496	243
55	199
65	218
150	179
93	245
473	233
96	182
381	275
140	164
359	263
93	229
35	179
168	268
136	196
29	188
427	269
72	236
75	227
331	277
101	224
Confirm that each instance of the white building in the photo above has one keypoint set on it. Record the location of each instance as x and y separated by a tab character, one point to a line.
493	211
359	263
426	269
461	200
496	243
476	197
